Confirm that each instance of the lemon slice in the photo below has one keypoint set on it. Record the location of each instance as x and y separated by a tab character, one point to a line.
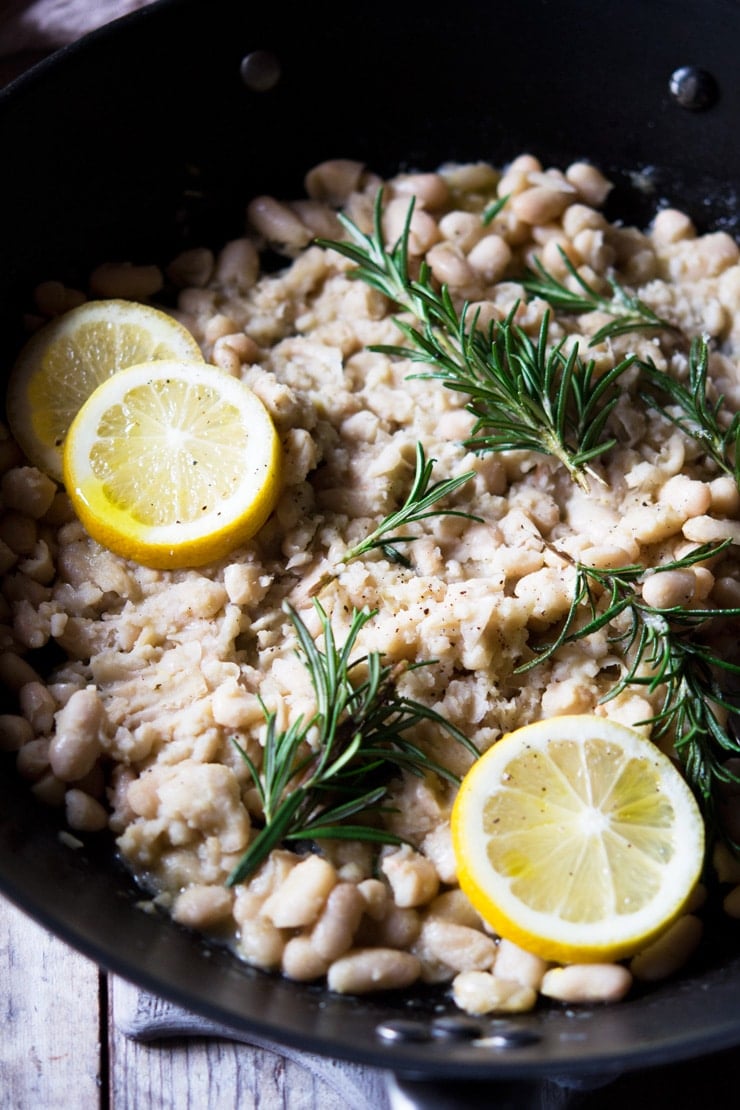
172	463
63	362
577	838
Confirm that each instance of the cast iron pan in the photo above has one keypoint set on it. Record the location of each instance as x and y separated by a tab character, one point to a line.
150	135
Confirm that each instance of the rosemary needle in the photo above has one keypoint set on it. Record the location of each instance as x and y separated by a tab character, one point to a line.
525	394
708	423
629	313
319	773
422	502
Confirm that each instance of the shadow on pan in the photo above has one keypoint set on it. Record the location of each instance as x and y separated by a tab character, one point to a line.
150	136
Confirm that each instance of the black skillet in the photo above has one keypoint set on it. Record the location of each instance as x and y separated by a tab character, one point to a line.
150	135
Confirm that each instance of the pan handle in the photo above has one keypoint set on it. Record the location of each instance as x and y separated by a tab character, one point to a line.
406	1093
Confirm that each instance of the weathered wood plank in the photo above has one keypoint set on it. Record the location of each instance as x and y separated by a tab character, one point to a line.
49	999
193	1072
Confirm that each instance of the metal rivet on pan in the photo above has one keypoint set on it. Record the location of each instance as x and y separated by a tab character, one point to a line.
456	1028
693	88
260	71
402	1032
512	1037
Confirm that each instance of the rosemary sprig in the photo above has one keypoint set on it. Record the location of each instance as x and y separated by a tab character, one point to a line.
661	648
318	773
524	393
422	502
629	312
707	422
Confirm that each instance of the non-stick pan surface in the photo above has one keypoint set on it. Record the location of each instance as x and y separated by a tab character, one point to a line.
151	135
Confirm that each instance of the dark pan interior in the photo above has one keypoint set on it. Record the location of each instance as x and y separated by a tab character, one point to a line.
144	138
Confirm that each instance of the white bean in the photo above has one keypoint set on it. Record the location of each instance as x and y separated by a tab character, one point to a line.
373	969
238	264
301	961
203	906
458	946
333	181
15	731
27	490
126	280
490	257
667	588
84	813
515	963
191	267
669	952
334	931
76	745
38	706
277	223
587	983
592	186
413	878
479	992
300	897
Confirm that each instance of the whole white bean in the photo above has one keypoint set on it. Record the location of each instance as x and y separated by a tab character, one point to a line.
464	229
334	931
373	969
32	760
76	745
191	267
261	944
203	906
300	897
515	963
454	905
449	265
27	490
479	992
83	813
667	588
540	204
126	280
15	731
15	671
277	223
423	230
671	226
332	181
301	961
669	952
490	257
592	186
587	983
458	946
238	265
413	877
49	789
430	189
38	706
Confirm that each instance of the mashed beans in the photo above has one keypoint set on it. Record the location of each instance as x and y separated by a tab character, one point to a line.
134	731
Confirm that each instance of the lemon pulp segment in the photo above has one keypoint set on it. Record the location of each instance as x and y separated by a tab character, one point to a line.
172	464
578	838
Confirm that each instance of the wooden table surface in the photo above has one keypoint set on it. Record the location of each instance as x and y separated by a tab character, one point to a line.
62	1047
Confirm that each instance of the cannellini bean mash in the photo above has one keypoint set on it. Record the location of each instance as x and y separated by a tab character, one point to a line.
134	731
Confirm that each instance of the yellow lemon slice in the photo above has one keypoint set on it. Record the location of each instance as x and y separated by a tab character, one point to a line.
172	463
64	361
577	838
